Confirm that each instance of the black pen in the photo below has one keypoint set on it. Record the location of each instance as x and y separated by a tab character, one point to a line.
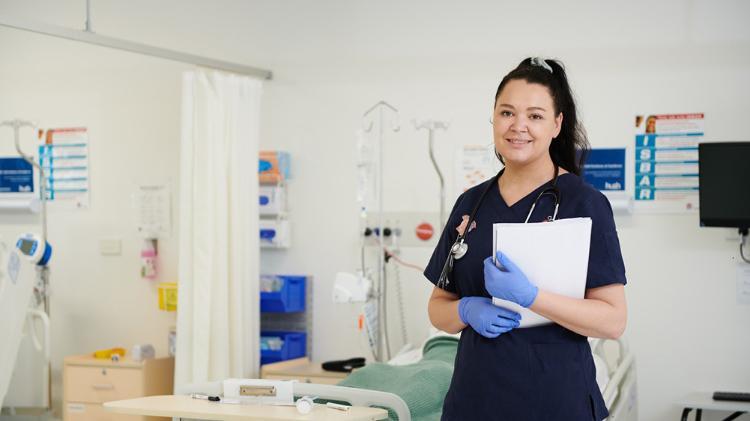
205	397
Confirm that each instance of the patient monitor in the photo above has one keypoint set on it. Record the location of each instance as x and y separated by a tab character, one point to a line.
36	249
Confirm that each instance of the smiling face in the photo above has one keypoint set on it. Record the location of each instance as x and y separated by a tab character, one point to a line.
524	123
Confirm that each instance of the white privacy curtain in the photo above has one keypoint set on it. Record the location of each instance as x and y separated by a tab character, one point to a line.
218	303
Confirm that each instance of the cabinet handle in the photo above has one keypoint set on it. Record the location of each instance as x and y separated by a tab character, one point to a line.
103	387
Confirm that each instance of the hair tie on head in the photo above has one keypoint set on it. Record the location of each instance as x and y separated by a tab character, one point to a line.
538	61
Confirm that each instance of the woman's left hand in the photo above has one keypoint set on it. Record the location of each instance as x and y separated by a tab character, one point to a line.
508	283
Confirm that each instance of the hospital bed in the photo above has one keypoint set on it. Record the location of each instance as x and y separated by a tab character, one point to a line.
616	377
431	368
615	366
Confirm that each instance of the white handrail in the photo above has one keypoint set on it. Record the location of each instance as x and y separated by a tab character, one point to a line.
42	347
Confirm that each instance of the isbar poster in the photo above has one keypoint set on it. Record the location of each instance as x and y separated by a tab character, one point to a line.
666	162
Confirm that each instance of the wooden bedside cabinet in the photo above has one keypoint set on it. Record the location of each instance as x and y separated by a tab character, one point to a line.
88	382
301	369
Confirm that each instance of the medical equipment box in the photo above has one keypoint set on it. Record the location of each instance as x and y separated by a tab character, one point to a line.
282	293
271	200
273	167
274	233
167	296
285	345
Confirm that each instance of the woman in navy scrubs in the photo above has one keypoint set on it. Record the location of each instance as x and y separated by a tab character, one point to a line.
544	372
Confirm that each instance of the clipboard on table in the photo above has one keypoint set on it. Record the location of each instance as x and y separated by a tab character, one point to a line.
554	256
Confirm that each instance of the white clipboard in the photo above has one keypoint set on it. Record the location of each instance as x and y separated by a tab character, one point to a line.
554	256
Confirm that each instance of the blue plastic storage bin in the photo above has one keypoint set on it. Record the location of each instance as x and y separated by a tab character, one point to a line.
294	346
290	298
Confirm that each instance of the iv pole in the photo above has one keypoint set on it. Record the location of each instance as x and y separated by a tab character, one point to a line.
380	288
432	126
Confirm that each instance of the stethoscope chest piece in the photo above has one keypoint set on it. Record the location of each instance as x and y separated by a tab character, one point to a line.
459	249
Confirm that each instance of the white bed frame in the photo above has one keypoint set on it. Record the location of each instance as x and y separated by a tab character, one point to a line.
620	394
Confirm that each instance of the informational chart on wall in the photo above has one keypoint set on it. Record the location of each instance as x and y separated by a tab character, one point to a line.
476	164
64	155
666	162
154	207
605	169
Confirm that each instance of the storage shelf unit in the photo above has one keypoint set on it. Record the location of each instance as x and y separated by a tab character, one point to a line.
288	297
287	314
285	300
273	172
292	345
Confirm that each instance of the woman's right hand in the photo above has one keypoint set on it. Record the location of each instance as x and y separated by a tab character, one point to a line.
486	318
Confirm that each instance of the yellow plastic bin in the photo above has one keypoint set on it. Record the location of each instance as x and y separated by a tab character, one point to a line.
168	296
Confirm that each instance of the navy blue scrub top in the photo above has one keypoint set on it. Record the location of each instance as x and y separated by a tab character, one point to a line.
538	373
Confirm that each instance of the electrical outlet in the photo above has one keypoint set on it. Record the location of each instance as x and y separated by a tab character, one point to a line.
413	229
743	283
110	246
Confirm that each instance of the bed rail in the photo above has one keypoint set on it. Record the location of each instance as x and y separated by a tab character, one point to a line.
357	397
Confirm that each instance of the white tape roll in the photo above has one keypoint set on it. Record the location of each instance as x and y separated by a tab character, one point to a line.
304	405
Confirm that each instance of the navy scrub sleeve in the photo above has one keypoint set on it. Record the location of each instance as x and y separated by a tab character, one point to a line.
539	373
605	258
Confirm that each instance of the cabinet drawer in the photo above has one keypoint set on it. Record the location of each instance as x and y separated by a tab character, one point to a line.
102	384
85	412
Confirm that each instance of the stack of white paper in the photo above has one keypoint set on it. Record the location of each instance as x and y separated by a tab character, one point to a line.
554	256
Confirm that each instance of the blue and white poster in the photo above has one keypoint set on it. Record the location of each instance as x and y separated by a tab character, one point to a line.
65	159
16	176
605	169
666	162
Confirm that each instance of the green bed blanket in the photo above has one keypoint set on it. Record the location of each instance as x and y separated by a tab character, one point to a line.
421	385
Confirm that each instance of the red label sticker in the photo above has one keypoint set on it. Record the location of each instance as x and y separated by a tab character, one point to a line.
424	231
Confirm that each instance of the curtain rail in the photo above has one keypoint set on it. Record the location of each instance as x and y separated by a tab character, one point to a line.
133	47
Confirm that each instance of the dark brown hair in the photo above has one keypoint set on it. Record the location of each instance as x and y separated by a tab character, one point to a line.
570	147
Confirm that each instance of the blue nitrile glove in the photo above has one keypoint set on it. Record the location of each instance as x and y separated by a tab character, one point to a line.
486	318
508	283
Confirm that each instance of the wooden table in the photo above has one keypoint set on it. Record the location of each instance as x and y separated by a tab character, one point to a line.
187	407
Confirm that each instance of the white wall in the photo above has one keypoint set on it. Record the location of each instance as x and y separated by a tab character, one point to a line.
334	59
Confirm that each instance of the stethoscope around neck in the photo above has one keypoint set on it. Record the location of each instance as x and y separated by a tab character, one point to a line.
460	247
